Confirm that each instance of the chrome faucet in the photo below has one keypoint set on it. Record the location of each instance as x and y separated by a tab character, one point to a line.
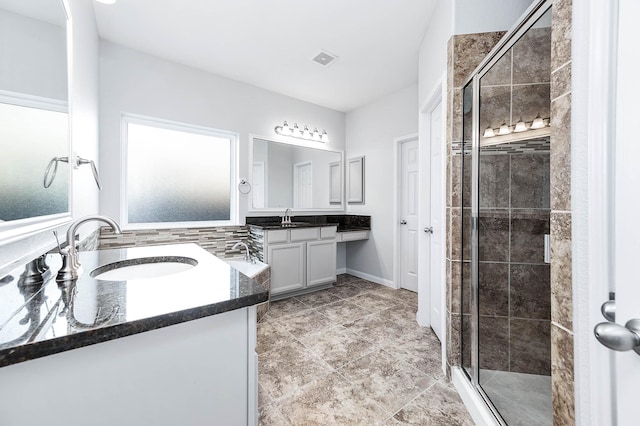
70	264
247	256
286	219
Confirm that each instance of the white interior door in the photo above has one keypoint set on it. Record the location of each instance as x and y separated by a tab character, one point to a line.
409	166
302	185
626	206
258	190
435	228
616	374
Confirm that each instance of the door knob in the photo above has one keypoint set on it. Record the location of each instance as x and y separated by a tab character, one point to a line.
403	222
429	230
619	338
608	310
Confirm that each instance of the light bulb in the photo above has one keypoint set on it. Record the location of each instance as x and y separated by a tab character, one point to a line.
504	129
324	137
520	126
285	128
316	134
488	132
305	133
538	122
296	130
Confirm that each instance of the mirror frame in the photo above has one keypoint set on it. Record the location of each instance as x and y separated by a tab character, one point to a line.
29	228
339	207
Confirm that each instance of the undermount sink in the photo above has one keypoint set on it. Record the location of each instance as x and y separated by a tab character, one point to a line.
143	268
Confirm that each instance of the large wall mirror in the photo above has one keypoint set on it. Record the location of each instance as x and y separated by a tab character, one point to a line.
286	175
34	116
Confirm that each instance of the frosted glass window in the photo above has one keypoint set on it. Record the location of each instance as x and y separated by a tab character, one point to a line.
178	175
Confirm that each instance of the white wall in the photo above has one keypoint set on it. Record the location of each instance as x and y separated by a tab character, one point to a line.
33	54
432	64
473	16
371	130
83	106
137	83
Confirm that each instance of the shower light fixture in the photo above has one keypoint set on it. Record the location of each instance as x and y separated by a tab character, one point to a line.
305	133
488	132
504	129
520	126
538	122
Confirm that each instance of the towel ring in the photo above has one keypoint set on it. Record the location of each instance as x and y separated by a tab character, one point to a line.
244	187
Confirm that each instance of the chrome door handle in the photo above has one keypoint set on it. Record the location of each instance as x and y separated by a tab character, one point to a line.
403	222
429	230
619	338
608	310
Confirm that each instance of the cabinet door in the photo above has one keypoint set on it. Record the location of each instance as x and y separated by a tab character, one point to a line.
287	267
321	262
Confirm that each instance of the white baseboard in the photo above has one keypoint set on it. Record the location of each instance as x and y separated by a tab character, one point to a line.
480	413
341	271
371	278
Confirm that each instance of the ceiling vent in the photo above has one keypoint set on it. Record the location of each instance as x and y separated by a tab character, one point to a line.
324	58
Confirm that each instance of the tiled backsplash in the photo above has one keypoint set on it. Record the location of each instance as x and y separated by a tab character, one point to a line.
217	240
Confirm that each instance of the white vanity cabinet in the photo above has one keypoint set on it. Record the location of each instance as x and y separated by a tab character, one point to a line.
301	259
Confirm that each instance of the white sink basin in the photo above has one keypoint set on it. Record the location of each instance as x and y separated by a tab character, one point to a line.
143	268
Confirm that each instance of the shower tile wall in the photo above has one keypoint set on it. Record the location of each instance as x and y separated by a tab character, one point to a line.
562	373
514	299
464	53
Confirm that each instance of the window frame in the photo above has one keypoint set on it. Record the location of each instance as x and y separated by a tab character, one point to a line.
233	137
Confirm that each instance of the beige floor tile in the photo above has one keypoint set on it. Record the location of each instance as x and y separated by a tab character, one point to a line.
318	298
347	291
271	334
270	415
305	322
342	311
332	401
440	405
373	301
337	346
386	379
285	369
285	307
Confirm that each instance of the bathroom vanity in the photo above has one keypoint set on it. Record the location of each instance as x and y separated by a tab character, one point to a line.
173	349
303	254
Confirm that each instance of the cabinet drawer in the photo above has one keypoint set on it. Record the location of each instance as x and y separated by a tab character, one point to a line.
304	234
328	232
353	236
277	236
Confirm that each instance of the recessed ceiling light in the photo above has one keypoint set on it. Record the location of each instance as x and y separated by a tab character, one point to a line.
324	58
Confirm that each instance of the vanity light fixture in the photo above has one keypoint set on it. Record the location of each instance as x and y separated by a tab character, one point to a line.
305	133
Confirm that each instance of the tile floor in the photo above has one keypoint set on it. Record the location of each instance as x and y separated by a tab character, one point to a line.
352	355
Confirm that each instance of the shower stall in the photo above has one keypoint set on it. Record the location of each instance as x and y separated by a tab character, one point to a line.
505	307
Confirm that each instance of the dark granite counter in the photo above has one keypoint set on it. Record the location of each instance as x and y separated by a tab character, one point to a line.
344	222
43	318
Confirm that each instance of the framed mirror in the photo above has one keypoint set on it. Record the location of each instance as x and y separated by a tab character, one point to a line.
355	175
291	175
34	117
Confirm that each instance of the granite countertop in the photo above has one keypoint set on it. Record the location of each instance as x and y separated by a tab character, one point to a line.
344	222
45	318
277	225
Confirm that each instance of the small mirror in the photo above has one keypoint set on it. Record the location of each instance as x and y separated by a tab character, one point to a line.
34	116
286	175
355	173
